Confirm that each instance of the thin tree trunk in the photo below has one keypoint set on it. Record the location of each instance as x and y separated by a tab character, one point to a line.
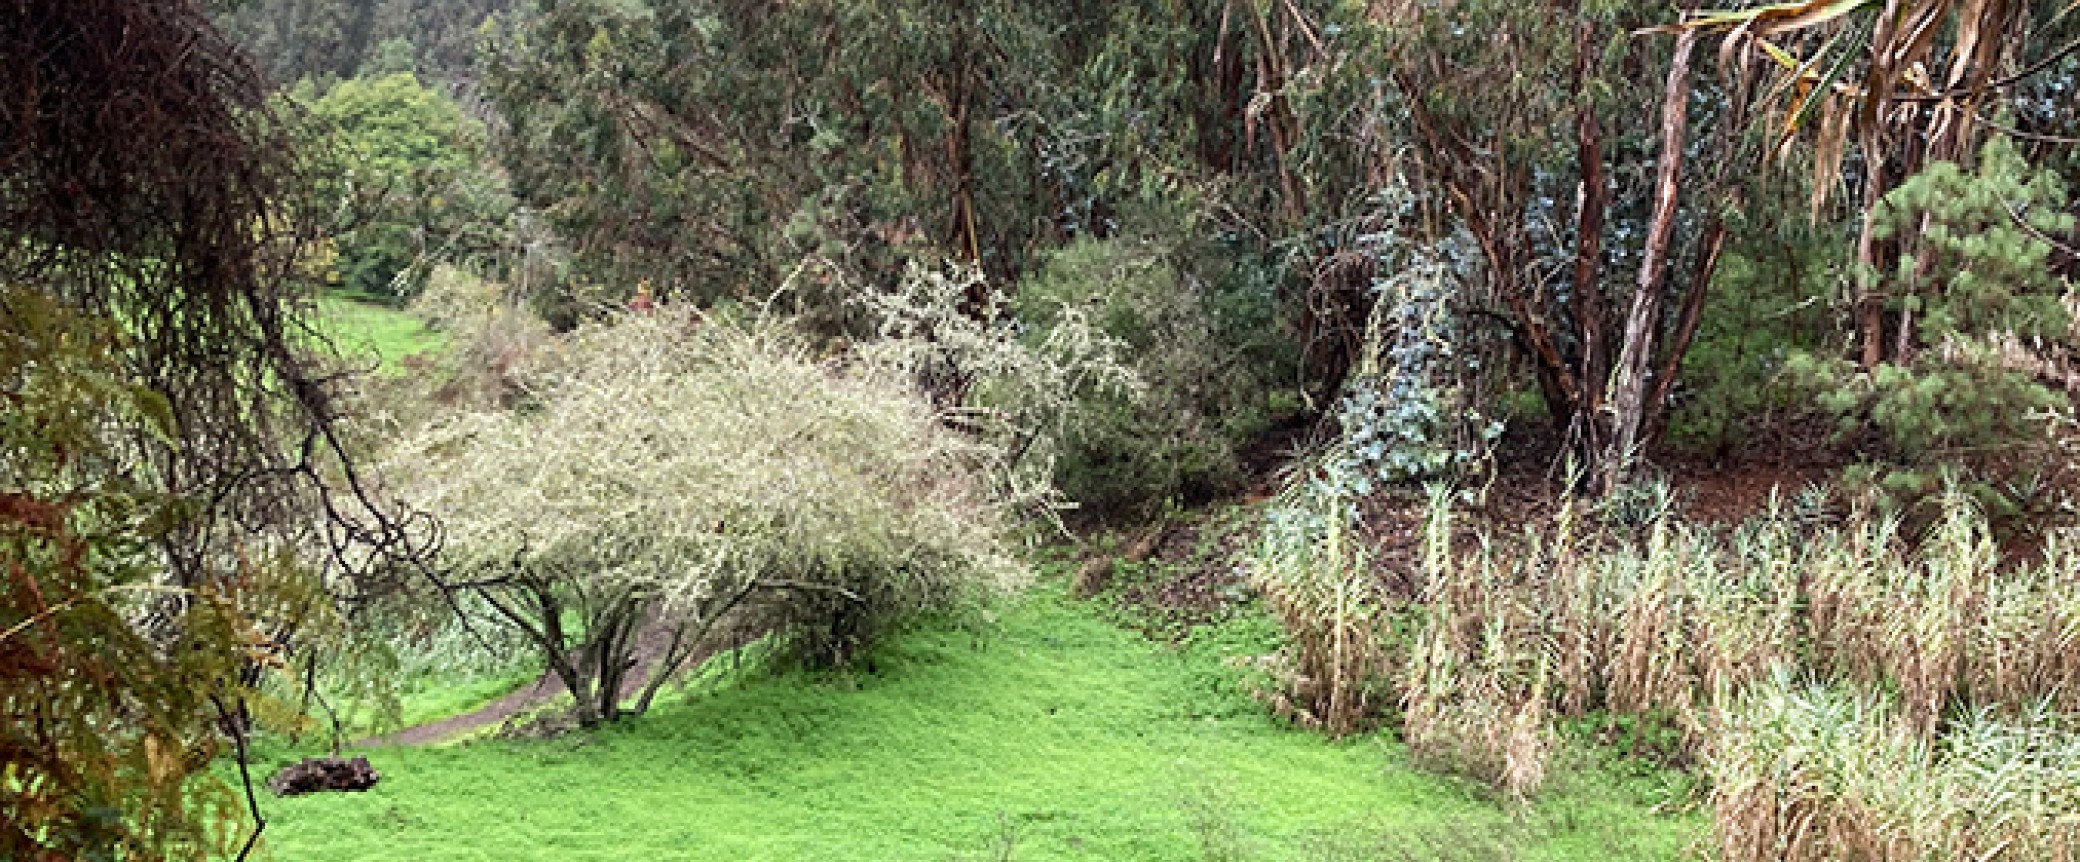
1592	313
1678	346
1870	301
1630	379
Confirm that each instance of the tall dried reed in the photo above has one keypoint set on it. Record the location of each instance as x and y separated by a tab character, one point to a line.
1314	569
1669	620
1810	771
1476	685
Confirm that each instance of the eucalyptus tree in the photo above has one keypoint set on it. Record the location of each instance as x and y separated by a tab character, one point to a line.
1579	211
295	39
710	145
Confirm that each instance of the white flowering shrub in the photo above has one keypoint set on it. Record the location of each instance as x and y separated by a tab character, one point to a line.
666	471
1030	392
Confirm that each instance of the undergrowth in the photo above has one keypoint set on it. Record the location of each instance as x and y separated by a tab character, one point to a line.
1936	726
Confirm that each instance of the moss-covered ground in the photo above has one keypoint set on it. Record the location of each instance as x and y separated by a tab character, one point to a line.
1046	733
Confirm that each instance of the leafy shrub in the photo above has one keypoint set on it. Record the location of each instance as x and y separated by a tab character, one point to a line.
1978	303
1969	399
1760	312
667	471
106	732
404	179
1202	394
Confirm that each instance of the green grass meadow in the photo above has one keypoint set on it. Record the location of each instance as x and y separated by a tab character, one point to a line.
1047	734
369	330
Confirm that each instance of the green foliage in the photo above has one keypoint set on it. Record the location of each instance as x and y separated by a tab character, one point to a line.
296	39
1984	260
168	454
1765	308
403	178
1983	304
1203	391
106	733
1050	734
710	146
1410	409
392	56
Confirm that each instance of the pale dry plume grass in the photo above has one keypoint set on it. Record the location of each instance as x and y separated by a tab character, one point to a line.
1938	725
1810	771
1313	569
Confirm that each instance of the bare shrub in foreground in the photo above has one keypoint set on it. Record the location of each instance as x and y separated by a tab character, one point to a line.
663	472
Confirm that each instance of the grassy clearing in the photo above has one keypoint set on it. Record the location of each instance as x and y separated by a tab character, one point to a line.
434	702
1052	735
370	330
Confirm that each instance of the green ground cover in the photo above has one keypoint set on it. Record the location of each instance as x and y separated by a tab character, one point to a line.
374	331
1049	734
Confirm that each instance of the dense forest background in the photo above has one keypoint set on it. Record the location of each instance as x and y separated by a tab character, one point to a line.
1704	249
1700	378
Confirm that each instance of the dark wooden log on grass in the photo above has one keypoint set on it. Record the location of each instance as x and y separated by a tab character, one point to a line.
315	775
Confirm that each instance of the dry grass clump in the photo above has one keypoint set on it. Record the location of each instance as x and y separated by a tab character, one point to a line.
1314	570
1807	771
1475	688
1938	728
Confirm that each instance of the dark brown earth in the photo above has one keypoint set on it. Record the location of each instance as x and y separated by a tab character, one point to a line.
1188	570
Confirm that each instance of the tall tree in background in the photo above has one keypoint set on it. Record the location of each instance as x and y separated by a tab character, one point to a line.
1544	174
708	146
1887	88
403	174
295	39
166	451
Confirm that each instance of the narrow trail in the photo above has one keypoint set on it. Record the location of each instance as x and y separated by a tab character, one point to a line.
650	649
